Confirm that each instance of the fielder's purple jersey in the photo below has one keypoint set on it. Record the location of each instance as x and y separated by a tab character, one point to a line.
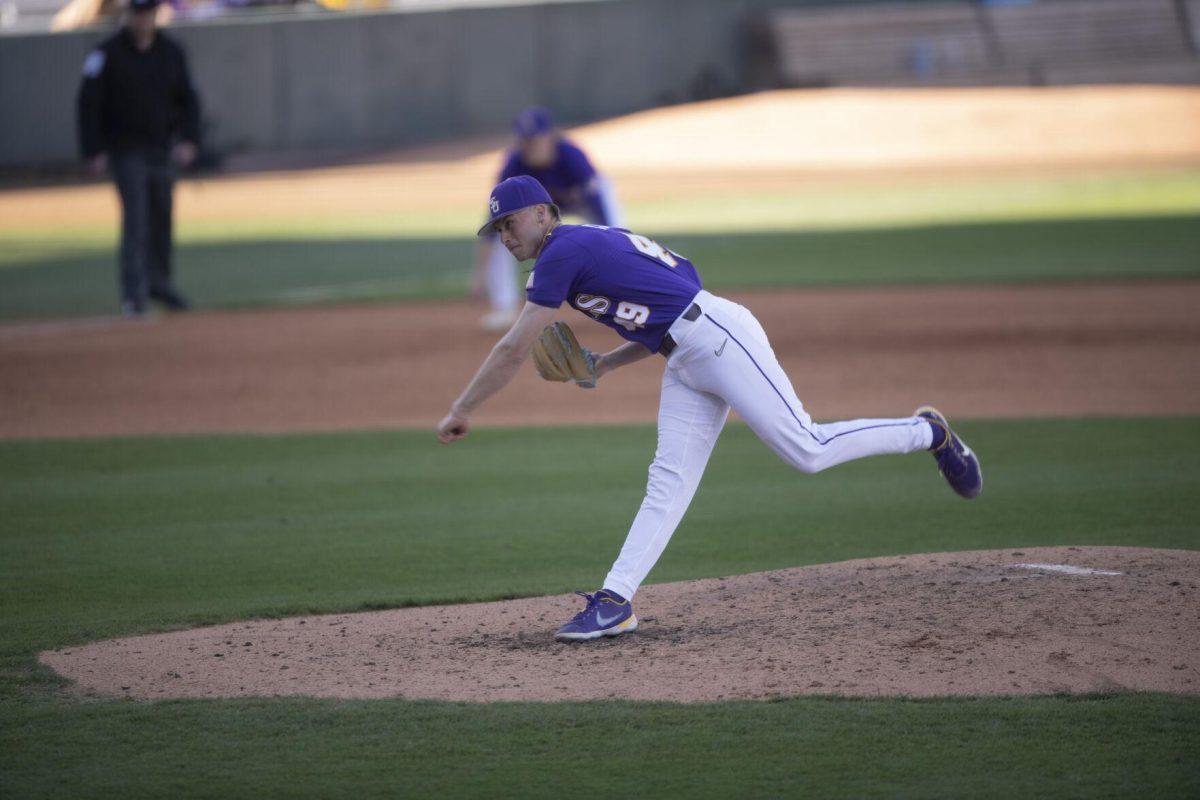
620	279
570	180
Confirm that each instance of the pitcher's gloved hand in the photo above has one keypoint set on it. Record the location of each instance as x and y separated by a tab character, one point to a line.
559	356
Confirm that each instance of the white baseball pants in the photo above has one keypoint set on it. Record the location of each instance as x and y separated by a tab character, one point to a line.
723	360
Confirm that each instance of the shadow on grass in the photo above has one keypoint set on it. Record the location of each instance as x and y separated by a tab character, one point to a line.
297	272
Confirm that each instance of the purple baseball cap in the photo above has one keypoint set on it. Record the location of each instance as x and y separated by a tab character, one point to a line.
511	196
533	121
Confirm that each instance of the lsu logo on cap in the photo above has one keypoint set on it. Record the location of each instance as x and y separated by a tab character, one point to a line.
494	205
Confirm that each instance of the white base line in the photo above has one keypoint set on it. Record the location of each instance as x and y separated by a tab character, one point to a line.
1065	568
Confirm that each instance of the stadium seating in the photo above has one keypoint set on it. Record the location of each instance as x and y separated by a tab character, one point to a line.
1073	32
1191	9
1054	41
879	43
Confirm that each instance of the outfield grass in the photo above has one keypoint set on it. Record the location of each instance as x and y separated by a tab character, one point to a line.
304	271
1118	224
104	538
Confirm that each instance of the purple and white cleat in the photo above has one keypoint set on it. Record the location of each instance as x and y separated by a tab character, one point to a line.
606	614
958	465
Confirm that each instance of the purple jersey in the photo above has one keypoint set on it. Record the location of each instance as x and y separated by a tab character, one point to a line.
570	180
620	279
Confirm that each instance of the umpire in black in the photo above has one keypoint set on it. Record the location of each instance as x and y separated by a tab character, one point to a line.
139	116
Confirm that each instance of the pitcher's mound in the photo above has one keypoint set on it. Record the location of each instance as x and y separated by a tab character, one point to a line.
1028	621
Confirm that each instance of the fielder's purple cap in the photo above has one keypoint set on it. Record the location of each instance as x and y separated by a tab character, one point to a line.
533	121
512	195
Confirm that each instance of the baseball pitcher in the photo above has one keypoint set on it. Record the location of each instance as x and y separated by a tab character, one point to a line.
717	358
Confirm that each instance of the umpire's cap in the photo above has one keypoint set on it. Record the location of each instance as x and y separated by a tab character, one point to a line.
143	5
511	196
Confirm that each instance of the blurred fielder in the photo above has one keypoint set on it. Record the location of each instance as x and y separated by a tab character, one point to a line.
564	170
717	358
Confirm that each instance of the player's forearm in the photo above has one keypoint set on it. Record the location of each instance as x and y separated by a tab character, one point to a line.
626	354
498	369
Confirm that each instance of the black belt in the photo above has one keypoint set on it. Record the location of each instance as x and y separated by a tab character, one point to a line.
668	343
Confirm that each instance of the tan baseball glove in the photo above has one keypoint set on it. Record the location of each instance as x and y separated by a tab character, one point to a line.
559	356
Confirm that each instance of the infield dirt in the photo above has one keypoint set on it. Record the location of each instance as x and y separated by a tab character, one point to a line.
1065	350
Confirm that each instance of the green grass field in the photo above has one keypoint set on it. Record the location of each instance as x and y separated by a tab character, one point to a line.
289	272
112	537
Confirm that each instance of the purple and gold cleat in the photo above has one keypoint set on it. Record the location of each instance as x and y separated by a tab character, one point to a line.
606	614
958	465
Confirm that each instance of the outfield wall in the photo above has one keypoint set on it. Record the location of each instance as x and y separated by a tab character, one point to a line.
363	80
321	81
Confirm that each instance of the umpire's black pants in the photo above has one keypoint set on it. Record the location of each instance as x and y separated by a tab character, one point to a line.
145	181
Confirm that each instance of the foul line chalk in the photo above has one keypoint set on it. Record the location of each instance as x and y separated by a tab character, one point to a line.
1066	569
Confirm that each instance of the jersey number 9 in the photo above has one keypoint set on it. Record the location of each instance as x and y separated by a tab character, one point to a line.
631	316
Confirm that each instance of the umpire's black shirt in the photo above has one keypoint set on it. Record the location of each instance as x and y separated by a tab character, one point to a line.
134	99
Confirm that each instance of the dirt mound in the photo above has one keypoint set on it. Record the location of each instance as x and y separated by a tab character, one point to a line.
1031	621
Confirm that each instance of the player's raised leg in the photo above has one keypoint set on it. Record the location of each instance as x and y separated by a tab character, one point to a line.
729	355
